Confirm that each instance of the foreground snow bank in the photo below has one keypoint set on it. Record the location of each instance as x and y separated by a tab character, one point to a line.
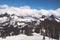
24	37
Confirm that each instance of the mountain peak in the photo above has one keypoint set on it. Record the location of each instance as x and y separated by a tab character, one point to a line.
52	16
43	16
2	15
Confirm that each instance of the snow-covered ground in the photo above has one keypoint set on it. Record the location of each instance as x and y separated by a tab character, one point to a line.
24	37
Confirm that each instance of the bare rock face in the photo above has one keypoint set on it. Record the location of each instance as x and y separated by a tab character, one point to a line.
51	27
48	27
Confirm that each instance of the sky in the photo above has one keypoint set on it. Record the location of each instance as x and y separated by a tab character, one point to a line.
37	4
35	8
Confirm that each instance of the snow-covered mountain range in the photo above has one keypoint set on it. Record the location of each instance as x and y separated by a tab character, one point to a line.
36	24
25	19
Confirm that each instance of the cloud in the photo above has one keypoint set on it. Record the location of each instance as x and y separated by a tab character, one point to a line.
4	6
28	11
55	12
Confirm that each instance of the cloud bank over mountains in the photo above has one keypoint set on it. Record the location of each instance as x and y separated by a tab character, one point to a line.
28	11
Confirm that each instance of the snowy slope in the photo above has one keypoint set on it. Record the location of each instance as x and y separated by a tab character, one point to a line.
24	37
